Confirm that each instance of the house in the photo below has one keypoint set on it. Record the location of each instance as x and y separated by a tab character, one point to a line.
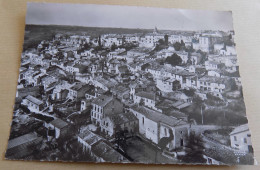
218	47
91	92
154	126
240	138
212	65
168	84
103	152
103	106
229	50
19	148
195	58
79	68
206	42
101	82
120	92
113	123
87	139
78	90
215	73
59	126
113	40
146	98
32	91
212	84
33	103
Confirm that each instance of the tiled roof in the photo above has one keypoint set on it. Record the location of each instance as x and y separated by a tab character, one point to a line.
89	137
107	153
122	118
159	117
239	129
22	140
34	100
147	95
59	123
102	100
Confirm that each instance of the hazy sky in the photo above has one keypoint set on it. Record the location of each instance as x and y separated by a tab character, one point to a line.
127	17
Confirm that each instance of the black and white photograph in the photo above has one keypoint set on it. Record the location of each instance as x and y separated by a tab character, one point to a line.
127	84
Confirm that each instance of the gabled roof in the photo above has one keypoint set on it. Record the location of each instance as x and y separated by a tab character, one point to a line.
34	100
80	86
107	152
102	100
159	117
239	129
58	123
147	95
122	118
89	137
22	140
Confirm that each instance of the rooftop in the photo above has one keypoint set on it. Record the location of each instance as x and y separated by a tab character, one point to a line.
239	129
22	140
105	151
34	100
102	100
147	95
59	123
159	117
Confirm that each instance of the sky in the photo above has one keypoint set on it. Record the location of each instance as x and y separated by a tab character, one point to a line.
91	15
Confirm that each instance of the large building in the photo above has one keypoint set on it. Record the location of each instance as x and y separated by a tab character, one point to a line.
104	105
154	126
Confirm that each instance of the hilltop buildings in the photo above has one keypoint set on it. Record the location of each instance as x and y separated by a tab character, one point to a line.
94	95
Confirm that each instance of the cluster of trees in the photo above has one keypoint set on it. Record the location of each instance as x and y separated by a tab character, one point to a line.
174	60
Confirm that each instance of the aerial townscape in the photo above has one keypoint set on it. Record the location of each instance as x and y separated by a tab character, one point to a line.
129	96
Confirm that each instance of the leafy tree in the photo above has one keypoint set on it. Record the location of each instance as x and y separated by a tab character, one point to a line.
113	47
161	42
174	60
189	92
141	102
177	46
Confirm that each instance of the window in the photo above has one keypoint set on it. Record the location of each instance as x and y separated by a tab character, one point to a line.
181	142
143	120
245	140
235	138
165	131
248	135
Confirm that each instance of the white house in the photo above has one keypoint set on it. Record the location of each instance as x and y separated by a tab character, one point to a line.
240	138
154	125
33	103
147	98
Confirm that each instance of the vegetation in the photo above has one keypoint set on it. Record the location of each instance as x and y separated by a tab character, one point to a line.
174	60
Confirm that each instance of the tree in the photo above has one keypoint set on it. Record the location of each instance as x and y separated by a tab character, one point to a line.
174	60
120	137
99	41
161	42
166	39
189	92
177	46
141	103
113	47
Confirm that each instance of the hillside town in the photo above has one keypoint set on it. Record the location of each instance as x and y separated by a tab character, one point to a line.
157	97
